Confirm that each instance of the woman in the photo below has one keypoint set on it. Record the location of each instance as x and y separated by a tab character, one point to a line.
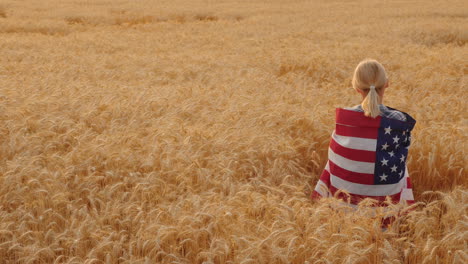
369	146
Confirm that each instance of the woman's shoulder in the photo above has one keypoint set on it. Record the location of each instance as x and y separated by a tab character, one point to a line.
392	113
385	111
357	108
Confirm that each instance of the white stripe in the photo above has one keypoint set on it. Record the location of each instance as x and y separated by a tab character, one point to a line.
406	193
351	165
355	142
321	188
368	190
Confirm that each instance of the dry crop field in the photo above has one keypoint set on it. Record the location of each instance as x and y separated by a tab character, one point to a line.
194	131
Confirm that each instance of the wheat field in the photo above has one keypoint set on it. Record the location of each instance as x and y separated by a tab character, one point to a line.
194	131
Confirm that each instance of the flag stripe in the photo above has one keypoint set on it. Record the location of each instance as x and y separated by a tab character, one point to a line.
407	192
364	189
407	195
325	177
321	189
351	165
355	142
352	154
351	176
352	131
356	198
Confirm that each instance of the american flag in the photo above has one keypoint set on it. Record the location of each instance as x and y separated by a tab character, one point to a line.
367	159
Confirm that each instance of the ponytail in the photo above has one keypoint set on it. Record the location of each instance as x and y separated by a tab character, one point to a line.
370	105
370	77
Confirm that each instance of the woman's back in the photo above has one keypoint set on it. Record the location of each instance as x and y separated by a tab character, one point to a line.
369	146
367	159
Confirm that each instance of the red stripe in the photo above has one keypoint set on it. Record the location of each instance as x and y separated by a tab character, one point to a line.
408	183
354	118
386	222
355	198
315	195
325	177
354	131
352	154
355	177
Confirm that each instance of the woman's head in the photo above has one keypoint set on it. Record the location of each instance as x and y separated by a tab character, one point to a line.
370	80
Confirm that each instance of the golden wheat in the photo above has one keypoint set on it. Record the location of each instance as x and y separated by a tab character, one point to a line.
193	131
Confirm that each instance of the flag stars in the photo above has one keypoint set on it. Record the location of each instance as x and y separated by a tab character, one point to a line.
388	130
402	159
385	146
384	162
383	177
392	154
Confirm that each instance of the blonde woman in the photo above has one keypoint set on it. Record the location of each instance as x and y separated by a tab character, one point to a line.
369	146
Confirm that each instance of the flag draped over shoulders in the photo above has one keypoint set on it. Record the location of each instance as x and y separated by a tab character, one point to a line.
367	159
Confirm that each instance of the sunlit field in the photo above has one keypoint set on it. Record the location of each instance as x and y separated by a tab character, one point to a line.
195	131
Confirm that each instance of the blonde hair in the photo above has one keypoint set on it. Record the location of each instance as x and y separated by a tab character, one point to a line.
370	77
